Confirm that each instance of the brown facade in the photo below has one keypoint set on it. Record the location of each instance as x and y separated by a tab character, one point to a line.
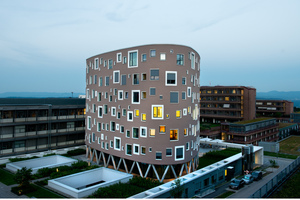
274	108
227	103
142	104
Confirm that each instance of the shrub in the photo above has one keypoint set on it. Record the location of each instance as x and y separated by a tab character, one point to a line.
42	182
145	183
23	176
50	154
76	152
44	172
21	159
80	165
23	189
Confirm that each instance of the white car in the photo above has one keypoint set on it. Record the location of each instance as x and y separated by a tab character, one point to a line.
248	179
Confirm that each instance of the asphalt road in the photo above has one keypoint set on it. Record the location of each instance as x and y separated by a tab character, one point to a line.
248	190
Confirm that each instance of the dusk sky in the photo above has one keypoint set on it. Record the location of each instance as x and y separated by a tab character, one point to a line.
44	44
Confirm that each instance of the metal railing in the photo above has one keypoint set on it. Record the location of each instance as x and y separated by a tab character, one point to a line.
276	181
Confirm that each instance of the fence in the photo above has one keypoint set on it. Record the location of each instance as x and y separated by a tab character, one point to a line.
270	186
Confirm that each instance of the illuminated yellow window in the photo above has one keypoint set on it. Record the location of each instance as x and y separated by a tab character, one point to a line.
167	116
143	117
225	172
208	91
137	112
233	91
178	113
189	109
162	129
157	111
216	91
144	95
242	92
152	132
185	131
174	134
84	111
226	98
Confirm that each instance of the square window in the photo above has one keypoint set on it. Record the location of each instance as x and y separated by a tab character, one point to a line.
162	56
152	132
135	97
162	129
143	131
174	97
152	53
178	114
130	116
116	77
117	143
136	149
154	74
180	59
119	57
179	153
158	156
169	152
173	134
157	111
171	78
137	112
128	149
183	95
143	150
144	95
183	80
133	58
128	133
143	117
135	132
152	91
144	57
135	79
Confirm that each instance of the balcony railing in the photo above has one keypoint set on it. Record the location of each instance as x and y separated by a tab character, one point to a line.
31	119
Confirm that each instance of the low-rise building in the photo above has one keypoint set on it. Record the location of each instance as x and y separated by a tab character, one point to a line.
227	103
251	131
274	108
286	129
295	117
30	125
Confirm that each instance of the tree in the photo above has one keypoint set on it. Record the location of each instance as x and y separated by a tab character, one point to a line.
23	176
273	163
177	189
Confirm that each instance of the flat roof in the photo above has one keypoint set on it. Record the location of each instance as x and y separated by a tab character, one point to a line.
39	101
253	120
283	125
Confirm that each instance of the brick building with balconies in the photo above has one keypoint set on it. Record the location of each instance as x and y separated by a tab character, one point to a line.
274	108
227	103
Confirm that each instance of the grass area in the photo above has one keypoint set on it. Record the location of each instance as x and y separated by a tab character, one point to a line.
290	145
290	188
6	177
225	194
215	156
208	126
280	155
43	193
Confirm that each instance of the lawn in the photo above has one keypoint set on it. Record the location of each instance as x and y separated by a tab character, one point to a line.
43	193
6	177
290	145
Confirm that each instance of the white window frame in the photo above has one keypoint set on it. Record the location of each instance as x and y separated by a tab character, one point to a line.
114	77
152	111
166	75
137	57
136	145
184	112
89	122
175	153
118	61
115	139
163	56
133	91
129	120
122	93
113	114
143	128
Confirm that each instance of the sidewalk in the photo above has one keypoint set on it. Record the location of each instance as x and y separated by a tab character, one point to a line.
6	193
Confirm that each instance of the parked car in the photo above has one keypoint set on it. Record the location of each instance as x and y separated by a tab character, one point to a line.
236	184
257	175
248	179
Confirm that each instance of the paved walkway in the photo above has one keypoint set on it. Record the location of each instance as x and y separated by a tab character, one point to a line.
6	193
248	190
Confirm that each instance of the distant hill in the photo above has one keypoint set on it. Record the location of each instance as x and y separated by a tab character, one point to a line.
293	96
38	95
